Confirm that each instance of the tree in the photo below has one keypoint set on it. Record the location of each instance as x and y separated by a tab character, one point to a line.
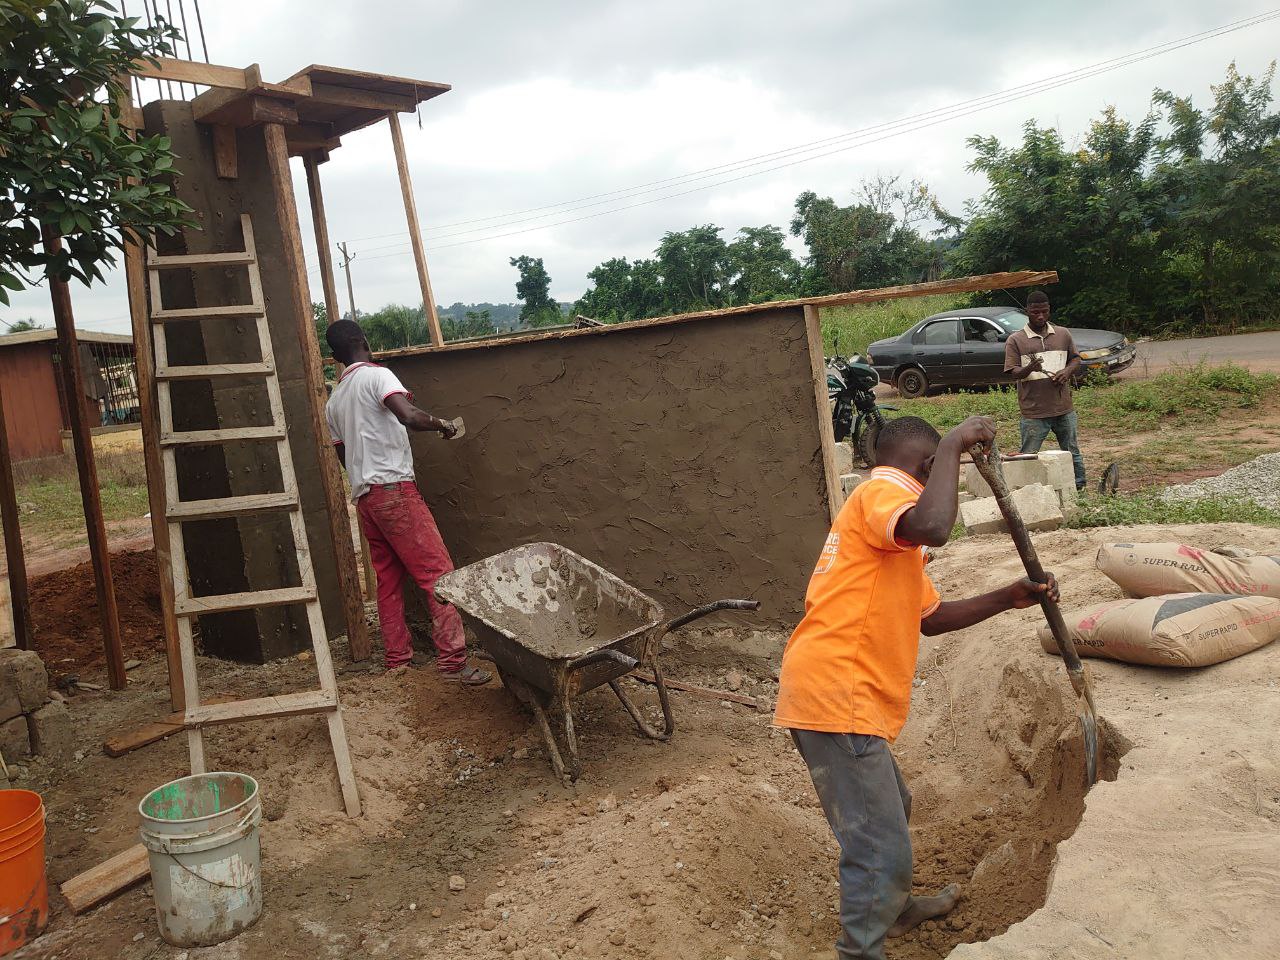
475	323
761	266
395	327
694	265
66	163
21	326
534	289
320	314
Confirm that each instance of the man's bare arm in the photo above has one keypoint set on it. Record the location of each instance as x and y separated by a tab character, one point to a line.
958	614
416	419
341	450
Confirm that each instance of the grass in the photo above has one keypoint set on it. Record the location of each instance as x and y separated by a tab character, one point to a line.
853	328
1189	395
1130	509
48	493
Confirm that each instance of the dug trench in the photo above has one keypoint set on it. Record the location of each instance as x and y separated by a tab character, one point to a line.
709	846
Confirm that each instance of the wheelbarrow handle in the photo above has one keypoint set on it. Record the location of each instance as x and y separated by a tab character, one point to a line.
608	653
706	609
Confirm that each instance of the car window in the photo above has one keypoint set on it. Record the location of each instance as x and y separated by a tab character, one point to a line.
978	330
1013	321
939	332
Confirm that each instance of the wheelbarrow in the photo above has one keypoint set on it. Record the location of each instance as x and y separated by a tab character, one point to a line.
556	625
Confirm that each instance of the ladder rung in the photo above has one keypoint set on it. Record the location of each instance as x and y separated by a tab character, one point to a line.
225	602
288	704
215	370
200	260
209	313
270	432
230	506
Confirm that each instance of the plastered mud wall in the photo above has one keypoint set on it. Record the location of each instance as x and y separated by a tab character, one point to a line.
684	457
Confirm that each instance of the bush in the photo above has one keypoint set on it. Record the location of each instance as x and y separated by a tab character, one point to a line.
1198	392
854	328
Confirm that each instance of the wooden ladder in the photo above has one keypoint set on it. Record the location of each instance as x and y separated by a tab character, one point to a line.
187	607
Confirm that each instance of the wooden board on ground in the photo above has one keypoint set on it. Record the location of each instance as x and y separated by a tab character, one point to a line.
149	733
108	878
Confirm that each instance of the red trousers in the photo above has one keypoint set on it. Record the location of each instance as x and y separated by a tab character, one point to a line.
404	540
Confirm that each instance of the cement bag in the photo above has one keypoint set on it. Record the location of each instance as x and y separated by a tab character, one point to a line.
1152	569
1180	630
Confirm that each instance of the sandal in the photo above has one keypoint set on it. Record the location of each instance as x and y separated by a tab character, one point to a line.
471	676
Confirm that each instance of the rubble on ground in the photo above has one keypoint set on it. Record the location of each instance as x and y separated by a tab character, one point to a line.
1257	480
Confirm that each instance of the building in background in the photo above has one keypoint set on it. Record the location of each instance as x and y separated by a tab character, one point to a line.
35	404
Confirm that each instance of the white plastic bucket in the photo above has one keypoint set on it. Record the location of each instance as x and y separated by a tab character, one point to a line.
202	835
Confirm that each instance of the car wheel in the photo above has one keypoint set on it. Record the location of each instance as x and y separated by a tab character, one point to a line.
866	445
913	383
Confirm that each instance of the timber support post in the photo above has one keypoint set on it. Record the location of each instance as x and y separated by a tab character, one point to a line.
415	233
15	558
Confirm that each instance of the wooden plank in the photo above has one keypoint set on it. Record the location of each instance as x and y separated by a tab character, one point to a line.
247	108
226	159
271	432
331	481
993	281
188	71
826	432
231	506
324	250
14	555
415	234
232	311
205	371
224	602
86	468
149	733
108	878
420	90
285	705
362	99
707	693
186	261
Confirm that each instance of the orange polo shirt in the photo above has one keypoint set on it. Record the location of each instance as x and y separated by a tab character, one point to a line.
849	665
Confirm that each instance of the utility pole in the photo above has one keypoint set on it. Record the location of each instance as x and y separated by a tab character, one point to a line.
346	266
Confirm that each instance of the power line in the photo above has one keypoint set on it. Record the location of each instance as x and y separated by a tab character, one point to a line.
963	108
894	128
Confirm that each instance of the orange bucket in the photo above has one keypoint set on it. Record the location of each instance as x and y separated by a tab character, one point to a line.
24	892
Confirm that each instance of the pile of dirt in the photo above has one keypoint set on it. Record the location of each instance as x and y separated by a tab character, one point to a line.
64	609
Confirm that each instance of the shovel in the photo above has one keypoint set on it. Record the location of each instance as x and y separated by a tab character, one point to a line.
988	464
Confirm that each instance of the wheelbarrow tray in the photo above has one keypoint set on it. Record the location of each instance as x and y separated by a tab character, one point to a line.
537	608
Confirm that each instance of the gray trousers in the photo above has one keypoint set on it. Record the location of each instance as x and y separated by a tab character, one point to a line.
867	804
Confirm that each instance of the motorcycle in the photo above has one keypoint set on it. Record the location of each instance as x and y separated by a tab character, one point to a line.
855	415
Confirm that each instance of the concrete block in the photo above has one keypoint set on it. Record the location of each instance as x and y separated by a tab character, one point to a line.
844	458
850	481
1051	467
23	682
966	497
51	733
15	742
1037	505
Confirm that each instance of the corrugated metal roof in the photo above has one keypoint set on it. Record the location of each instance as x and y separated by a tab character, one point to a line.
49	333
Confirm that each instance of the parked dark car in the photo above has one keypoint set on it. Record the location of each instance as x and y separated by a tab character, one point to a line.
965	348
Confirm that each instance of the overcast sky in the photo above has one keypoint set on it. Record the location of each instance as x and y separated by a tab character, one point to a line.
559	101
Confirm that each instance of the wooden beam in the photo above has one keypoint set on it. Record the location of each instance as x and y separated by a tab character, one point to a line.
415	234
14	555
991	281
108	878
149	733
82	441
826	432
331	480
308	138
362	99
144	371
321	227
225	156
189	71
240	109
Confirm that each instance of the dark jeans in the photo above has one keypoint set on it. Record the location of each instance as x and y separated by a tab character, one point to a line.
1063	429
867	804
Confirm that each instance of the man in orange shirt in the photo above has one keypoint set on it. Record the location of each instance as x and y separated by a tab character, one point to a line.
845	684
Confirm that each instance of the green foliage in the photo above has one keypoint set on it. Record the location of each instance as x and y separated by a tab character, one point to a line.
854	328
761	266
1200	392
66	164
320	315
1163	226
395	327
1128	509
21	326
474	323
534	288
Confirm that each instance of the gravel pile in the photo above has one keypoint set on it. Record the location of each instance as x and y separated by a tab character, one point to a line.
1257	480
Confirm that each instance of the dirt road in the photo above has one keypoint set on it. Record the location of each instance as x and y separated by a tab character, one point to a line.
1259	352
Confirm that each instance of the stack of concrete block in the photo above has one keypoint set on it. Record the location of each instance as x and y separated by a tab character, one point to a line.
1037	504
844	458
1051	467
30	723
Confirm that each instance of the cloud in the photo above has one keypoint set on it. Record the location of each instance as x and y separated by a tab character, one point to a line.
561	100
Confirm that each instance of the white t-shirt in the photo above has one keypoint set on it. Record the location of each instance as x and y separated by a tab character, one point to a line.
377	444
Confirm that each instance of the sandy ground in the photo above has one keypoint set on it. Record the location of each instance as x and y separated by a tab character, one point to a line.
712	846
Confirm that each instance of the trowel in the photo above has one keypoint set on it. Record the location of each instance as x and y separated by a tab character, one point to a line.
460	427
988	464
